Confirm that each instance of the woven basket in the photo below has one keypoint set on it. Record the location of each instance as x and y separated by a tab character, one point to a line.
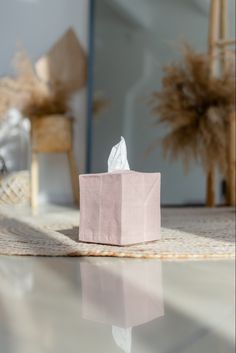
52	133
15	188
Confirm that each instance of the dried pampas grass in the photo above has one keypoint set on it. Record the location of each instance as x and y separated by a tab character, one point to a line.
195	105
28	94
46	102
15	91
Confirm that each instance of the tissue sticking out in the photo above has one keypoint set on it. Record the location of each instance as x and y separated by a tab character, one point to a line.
118	157
123	338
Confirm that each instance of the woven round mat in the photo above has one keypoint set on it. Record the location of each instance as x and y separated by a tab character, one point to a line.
186	234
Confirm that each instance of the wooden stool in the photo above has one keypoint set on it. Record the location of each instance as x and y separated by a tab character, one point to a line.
52	134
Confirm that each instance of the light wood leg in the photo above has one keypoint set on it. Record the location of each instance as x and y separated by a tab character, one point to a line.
231	162
213	33
34	181
74	176
223	32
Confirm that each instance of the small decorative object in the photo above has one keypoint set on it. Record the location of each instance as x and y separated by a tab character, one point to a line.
14	187
120	207
196	106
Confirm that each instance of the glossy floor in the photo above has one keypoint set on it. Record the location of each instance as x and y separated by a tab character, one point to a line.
93	305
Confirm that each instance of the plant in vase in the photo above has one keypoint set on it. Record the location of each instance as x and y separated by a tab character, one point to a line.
196	107
47	107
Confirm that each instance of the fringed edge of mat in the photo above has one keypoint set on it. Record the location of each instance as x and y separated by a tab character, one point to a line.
189	257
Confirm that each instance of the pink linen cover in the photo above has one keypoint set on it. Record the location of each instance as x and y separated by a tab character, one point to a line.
120	208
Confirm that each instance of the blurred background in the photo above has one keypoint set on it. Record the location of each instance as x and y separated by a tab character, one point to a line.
121	47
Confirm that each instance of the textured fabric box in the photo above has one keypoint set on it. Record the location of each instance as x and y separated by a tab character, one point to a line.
120	208
121	293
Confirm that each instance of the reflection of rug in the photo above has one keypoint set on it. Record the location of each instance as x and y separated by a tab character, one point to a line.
186	234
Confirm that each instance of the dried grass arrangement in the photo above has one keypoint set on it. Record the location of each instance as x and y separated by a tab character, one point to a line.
195	106
33	97
42	103
27	93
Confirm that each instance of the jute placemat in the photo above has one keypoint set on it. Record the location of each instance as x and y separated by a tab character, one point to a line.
186	234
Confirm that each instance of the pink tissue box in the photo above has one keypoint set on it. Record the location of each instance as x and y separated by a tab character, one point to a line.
120	208
122	293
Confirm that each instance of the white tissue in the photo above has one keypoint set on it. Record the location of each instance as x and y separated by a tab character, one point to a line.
123	338
118	157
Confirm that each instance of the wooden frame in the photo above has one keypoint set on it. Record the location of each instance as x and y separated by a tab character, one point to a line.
217	40
90	74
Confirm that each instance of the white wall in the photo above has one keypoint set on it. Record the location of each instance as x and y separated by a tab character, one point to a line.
130	53
37	24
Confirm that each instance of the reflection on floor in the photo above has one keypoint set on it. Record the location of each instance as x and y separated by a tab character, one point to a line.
54	305
98	305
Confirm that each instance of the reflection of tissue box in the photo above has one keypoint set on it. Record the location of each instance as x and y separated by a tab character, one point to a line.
122	293
119	208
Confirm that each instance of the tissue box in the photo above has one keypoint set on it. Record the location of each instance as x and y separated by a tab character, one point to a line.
121	293
120	208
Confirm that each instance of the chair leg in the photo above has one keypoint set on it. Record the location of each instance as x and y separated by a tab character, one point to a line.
34	180
74	176
231	162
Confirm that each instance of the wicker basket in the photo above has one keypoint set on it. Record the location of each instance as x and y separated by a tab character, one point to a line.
15	188
52	133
